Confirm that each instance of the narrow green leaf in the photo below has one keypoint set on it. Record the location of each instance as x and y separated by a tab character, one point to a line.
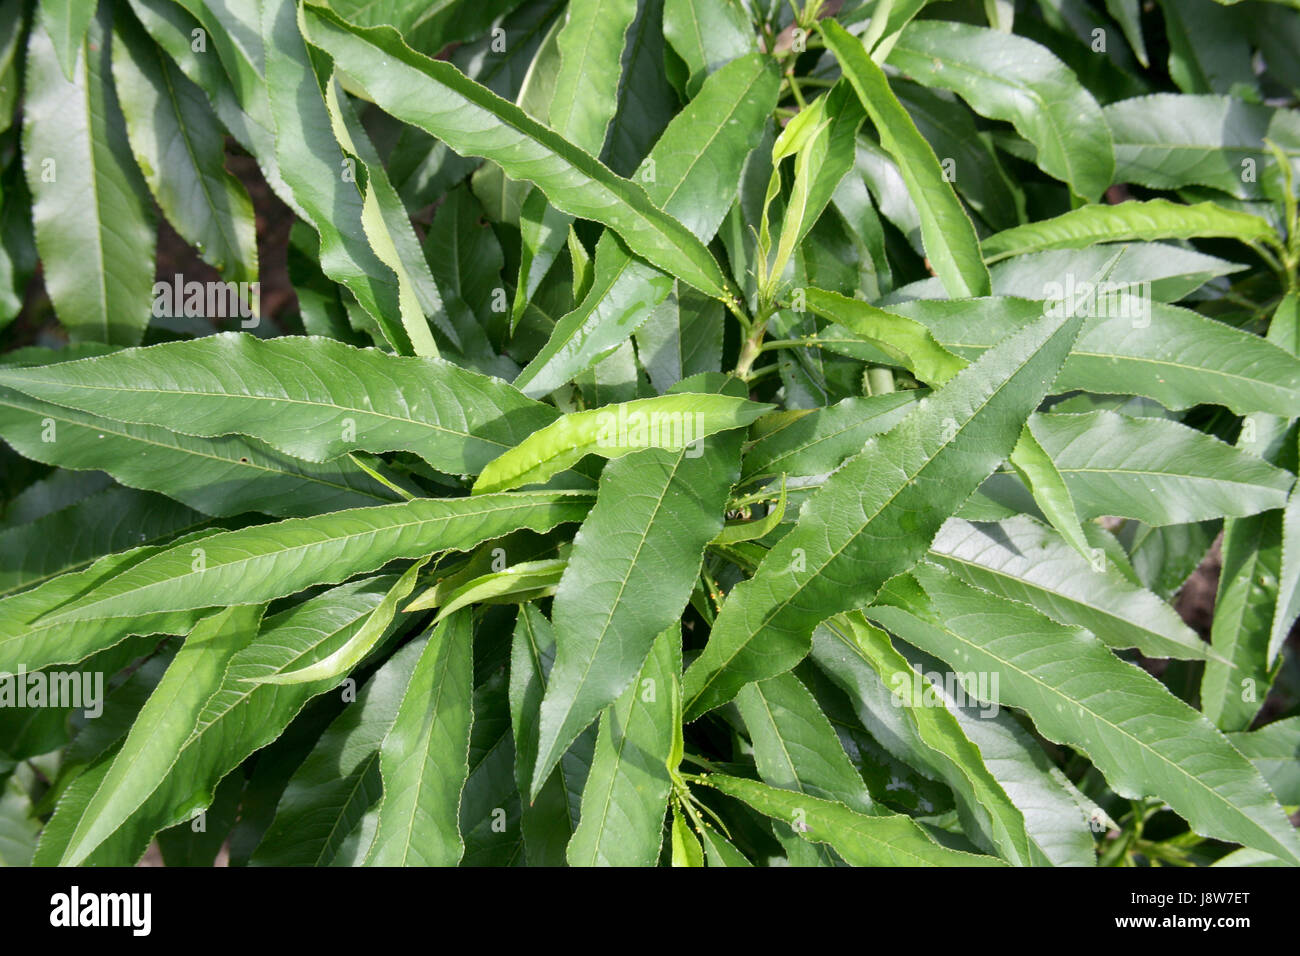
795	747
305	396
472	120
949	236
1127	221
626	795
93	223
707	35
66	22
180	148
697	163
1142	738
1154	470
874	516
329	794
1022	560
270	561
1171	140
343	660
163	725
634	564
424	759
908	342
675	423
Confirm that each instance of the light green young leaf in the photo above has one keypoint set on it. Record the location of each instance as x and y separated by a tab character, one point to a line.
671	422
1127	221
343	660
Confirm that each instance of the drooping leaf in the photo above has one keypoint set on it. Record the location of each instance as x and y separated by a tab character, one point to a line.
473	120
93	224
424	758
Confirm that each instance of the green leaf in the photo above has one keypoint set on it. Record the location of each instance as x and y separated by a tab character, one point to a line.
1127	221
1169	140
524	581
242	715
686	848
66	22
670	422
873	518
71	538
93	222
305	396
1156	471
634	564
1022	560
28	638
1142	738
472	120
329	794
180	147
892	840
219	476
550	820
1172	355
167	719
270	561
424	759
1007	77
1043	478
906	711
1273	749
325	184
626	795
697	163
795	746
707	35
949	236
906	341
818	441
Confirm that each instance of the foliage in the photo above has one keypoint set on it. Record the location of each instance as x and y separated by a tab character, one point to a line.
691	432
